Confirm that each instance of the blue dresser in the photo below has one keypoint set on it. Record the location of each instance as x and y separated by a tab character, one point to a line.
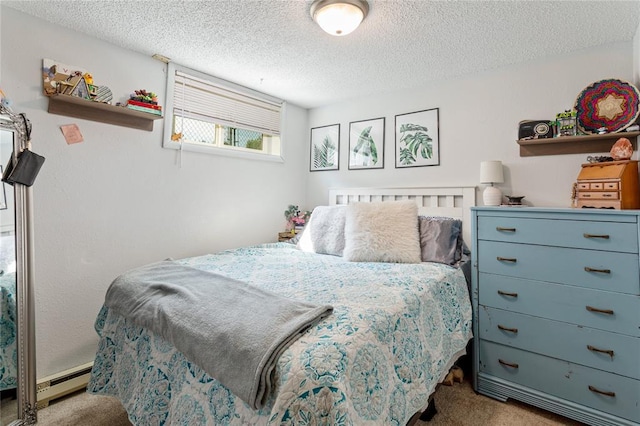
556	299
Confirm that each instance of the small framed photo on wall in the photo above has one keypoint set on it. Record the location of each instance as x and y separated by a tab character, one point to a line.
366	144
325	148
418	139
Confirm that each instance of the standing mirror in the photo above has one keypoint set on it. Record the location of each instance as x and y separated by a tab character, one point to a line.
17	328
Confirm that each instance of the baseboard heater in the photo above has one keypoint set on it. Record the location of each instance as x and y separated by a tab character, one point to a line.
63	383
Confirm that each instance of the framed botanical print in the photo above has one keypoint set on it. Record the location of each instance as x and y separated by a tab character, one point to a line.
418	139
325	148
366	144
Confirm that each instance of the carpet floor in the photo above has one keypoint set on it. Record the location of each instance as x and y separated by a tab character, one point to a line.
457	405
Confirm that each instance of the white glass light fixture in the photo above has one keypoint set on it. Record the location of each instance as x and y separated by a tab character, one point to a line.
339	17
491	172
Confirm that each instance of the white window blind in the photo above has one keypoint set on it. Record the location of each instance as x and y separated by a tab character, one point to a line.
205	100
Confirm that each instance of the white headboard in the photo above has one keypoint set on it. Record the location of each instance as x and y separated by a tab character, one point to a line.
454	201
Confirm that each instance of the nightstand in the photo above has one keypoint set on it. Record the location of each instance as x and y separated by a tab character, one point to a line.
285	236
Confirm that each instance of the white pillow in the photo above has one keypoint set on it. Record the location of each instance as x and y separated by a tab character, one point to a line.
382	232
325	231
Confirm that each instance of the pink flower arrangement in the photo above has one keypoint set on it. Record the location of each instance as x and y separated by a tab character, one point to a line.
298	221
296	218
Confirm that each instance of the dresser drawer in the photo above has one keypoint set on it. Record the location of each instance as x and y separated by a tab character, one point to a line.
607	392
609	271
604	350
593	235
603	310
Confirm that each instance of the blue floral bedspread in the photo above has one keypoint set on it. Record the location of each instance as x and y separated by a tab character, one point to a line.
8	348
395	331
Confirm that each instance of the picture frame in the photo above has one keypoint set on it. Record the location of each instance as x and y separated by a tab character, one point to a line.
366	144
3	194
418	138
325	148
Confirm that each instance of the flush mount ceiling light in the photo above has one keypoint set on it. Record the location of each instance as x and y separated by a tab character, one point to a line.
339	17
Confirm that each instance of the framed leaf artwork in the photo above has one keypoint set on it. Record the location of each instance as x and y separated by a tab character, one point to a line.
325	148
418	139
366	144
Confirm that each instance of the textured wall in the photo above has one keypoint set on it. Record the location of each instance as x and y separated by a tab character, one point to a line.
479	118
118	200
636	57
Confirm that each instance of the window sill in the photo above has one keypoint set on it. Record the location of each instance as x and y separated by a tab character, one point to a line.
225	152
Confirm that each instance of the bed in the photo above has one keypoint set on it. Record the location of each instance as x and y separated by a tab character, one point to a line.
395	331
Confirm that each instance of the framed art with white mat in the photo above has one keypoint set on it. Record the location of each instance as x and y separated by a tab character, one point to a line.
418	139
366	144
325	148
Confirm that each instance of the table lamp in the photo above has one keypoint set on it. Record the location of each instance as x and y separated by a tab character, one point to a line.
491	172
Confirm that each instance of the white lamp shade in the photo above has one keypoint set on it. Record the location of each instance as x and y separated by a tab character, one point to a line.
491	172
338	19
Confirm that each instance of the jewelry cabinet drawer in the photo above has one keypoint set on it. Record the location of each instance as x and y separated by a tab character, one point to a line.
602	310
592	235
601	270
602	195
599	349
611	186
607	392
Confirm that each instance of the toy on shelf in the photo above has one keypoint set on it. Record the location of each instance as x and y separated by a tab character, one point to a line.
566	123
62	79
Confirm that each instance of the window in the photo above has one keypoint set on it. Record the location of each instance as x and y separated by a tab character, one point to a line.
207	114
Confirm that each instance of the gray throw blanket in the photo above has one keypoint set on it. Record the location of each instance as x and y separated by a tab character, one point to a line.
232	330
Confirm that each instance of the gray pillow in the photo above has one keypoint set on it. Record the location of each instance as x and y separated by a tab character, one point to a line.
324	232
440	239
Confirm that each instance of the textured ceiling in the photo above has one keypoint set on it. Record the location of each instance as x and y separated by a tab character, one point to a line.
275	47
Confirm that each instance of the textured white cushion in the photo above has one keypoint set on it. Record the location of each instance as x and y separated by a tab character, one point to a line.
325	231
382	232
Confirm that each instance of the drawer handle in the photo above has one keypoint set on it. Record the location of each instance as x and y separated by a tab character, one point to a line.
505	293
502	229
600	311
602	271
507	259
602	351
508	364
601	392
512	330
605	237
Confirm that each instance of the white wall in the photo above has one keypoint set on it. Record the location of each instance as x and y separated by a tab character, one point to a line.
118	200
636	57
479	118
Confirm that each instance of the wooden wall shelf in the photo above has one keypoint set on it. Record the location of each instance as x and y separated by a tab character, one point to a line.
72	106
573	144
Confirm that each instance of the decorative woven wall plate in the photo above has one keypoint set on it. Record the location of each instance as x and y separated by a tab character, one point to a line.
610	103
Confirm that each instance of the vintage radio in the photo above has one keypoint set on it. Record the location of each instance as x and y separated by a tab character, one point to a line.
609	185
534	129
